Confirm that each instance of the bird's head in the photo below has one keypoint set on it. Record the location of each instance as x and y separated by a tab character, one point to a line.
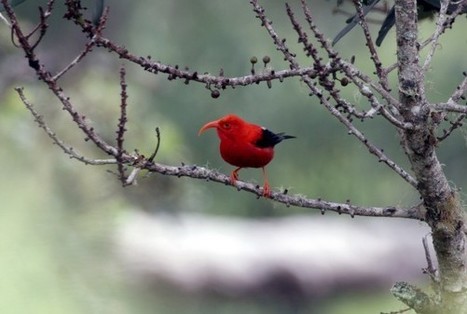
229	124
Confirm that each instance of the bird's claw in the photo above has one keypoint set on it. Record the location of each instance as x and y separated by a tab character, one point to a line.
233	179
266	190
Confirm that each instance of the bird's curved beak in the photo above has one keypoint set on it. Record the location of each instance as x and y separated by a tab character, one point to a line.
209	125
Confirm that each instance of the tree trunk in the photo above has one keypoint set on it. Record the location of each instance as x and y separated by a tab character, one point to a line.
444	212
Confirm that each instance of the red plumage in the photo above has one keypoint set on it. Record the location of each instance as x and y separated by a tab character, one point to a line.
245	145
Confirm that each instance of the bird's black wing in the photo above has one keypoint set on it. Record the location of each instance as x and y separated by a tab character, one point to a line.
351	22
388	23
426	8
270	139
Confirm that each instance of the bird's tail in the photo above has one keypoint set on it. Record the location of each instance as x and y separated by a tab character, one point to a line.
271	139
284	136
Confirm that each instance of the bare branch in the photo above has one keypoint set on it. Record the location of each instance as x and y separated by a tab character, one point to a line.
415	298
416	121
392	114
5	20
196	172
460	91
42	25
440	28
430	269
202	173
280	45
158	144
87	49
183	73
450	107
398	312
139	162
454	126
382	75
122	125
66	148
445	212
448	12
46	77
220	82
355	76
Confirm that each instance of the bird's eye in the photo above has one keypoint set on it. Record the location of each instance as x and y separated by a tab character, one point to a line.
226	125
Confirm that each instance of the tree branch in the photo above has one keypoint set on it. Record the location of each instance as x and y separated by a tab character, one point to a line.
450	107
445	214
454	125
202	173
361	80
281	46
415	298
69	150
140	162
121	127
440	28
382	75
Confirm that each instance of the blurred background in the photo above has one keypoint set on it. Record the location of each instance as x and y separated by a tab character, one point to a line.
74	241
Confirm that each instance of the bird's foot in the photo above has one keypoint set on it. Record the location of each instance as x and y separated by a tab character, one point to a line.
266	190
233	178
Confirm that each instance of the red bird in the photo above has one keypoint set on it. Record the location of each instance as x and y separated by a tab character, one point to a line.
245	145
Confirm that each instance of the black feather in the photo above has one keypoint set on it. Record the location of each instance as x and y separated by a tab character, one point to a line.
426	8
353	20
388	23
271	139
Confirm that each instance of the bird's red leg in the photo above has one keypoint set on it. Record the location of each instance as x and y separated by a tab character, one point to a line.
266	187
234	176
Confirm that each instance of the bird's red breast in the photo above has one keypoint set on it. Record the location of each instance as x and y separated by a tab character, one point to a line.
244	144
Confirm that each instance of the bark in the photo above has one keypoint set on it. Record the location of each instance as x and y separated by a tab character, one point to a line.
445	214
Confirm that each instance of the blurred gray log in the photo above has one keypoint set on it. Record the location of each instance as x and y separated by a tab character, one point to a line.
313	256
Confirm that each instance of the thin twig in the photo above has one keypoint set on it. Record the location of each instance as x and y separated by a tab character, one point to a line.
454	126
183	73
460	91
357	76
158	144
66	148
42	25
382	75
141	162
121	128
202	173
46	77
440	28
5	20
280	45
430	269
87	48
197	172
398	312
219	82
450	107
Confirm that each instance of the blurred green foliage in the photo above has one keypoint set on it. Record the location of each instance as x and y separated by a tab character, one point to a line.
58	215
